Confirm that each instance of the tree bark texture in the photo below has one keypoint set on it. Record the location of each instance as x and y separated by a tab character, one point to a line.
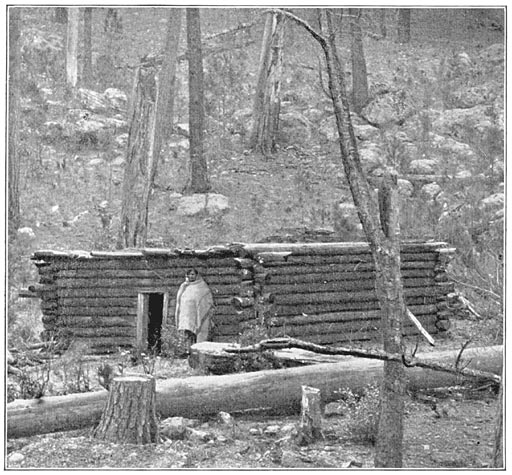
310	427
141	163
382	22
13	126
167	77
198	172
384	245
497	455
278	391
129	416
72	47
359	73
404	25
267	99
87	74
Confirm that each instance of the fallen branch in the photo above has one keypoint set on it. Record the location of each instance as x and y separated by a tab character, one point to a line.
420	328
282	343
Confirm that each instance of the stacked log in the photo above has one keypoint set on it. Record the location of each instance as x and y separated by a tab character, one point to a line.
92	297
321	292
324	292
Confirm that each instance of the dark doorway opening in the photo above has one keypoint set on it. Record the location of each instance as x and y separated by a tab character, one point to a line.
155	316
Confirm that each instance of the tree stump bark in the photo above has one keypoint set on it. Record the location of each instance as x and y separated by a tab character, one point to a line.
310	428
129	415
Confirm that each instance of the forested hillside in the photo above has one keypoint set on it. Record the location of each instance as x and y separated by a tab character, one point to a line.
434	111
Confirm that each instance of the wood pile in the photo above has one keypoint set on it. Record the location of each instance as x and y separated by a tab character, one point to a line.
324	292
320	292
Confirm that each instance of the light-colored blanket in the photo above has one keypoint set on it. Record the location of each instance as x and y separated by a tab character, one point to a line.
194	303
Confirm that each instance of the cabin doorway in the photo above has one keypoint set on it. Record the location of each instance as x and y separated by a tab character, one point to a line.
151	316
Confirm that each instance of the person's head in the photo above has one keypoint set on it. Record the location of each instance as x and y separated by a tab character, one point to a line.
191	275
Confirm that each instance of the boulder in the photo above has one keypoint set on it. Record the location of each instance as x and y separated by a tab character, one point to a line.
116	98
294	127
492	202
210	203
26	232
405	188
430	190
460	151
494	54
371	157
390	108
468	97
423	167
15	457
460	122
366	132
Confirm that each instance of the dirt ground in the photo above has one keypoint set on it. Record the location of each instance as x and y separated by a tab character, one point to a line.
457	433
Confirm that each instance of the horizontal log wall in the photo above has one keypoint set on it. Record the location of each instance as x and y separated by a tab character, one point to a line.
322	292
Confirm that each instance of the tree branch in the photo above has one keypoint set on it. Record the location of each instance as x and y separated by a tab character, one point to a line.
300	22
283	343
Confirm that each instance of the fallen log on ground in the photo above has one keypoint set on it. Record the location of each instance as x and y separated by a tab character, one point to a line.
277	391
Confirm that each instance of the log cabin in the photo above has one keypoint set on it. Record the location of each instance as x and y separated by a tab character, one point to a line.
321	292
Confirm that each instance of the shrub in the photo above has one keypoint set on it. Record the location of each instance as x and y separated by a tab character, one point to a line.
362	411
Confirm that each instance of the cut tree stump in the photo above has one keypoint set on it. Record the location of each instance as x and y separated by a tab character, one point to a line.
275	391
129	416
310	428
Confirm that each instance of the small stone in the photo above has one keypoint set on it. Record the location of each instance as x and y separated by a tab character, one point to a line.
221	439
271	430
226	418
254	431
174	428
16	457
288	428
201	435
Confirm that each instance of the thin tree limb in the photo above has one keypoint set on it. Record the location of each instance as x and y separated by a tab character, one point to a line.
282	343
420	328
302	23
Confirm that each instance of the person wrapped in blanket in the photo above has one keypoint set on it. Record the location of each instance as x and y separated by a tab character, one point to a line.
194	308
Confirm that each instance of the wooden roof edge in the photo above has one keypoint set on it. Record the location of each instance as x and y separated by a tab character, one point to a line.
236	249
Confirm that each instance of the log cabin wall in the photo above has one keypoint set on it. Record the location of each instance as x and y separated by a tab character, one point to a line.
320	292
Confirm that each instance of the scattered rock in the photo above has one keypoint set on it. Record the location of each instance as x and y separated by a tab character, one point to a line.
211	203
371	157
288	428
366	132
405	188
271	430
497	200
16	457
174	428
117	99
430	190
494	54
460	122
226	418
472	96
200	435
423	167
27	232
390	108
254	431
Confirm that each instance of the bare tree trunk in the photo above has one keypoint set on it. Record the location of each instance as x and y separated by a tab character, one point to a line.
497	455
130	413
72	47
382	23
87	75
359	74
198	173
150	116
381	231
139	169
404	25
267	100
167	75
61	15
13	127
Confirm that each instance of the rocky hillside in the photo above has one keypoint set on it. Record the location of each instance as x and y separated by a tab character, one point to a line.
436	114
